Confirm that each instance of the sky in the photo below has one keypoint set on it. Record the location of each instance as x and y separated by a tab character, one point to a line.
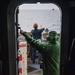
38	6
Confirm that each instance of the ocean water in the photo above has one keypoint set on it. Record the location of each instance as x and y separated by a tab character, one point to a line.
50	19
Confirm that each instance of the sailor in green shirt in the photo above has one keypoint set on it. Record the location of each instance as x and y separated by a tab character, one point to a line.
50	52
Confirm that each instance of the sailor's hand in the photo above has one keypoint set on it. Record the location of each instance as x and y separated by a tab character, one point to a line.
41	26
21	31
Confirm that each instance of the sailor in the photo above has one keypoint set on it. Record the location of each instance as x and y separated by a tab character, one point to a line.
50	52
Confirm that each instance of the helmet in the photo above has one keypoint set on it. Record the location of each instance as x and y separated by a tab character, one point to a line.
52	37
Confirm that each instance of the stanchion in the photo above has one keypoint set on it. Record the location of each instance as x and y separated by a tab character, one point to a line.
22	55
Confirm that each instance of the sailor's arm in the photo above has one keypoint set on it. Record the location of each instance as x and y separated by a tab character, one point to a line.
34	43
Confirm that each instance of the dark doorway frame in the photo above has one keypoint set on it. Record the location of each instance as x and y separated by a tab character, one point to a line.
11	32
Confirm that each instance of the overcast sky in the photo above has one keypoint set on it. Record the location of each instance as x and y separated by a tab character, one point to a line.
38	6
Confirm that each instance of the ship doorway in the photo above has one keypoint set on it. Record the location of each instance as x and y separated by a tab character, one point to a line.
12	38
47	14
